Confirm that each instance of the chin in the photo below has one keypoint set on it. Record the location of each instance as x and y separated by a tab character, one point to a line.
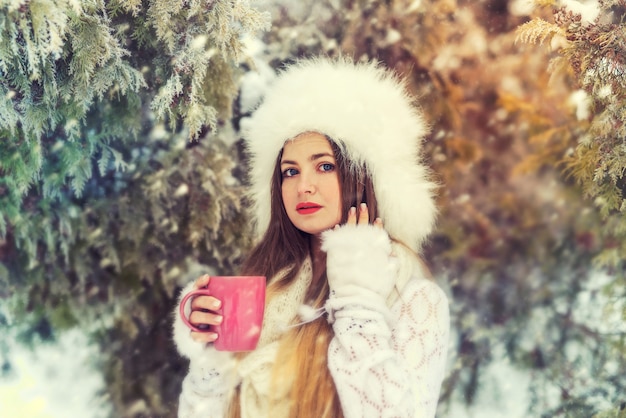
315	230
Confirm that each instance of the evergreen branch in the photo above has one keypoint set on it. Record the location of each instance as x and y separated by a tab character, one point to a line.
3	226
131	6
8	116
162	15
164	101
537	30
546	3
199	35
198	116
103	161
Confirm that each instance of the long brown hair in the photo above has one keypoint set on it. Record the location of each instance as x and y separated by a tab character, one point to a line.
283	246
303	350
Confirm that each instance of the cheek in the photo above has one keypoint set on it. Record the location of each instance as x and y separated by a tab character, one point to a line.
336	193
286	195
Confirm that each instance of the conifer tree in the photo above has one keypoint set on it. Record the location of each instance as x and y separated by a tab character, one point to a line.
120	175
114	180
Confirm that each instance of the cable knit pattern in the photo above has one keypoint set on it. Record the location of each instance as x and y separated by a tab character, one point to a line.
206	391
388	353
386	362
397	371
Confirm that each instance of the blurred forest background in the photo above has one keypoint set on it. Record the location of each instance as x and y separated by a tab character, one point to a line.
121	178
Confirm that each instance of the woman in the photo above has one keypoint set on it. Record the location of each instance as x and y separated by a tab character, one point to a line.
342	205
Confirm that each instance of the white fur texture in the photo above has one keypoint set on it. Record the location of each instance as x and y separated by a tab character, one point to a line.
360	268
367	111
359	256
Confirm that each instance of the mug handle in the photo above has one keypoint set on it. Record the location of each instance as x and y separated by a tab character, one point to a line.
183	315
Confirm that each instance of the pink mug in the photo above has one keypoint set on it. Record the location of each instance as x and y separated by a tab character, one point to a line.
243	304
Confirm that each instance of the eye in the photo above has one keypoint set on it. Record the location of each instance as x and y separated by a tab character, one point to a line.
327	167
290	172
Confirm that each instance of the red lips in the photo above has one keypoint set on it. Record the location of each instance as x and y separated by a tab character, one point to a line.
306	208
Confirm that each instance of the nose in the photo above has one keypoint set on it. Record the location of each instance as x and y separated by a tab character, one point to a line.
306	184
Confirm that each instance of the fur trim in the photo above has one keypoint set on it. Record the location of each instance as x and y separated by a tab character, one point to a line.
359	242
369	113
361	256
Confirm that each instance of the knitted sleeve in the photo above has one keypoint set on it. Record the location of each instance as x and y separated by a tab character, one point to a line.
206	391
212	376
393	368
385	361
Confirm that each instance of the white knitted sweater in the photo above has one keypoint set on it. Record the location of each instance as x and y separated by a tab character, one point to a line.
388	353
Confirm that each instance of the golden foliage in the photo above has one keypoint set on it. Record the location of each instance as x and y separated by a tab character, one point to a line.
538	31
592	57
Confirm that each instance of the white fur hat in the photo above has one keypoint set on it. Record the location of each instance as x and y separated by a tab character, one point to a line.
369	113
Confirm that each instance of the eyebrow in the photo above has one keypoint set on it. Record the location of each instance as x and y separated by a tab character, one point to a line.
311	158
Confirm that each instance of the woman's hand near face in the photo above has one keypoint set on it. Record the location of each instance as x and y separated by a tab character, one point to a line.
359	264
203	312
362	217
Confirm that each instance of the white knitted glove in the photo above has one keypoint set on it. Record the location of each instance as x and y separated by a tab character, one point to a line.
360	269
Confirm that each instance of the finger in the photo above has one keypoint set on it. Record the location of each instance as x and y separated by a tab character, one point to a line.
202	281
378	223
351	216
205	302
364	216
204	337
205	318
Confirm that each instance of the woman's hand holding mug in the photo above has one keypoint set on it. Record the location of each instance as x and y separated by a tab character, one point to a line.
226	311
204	313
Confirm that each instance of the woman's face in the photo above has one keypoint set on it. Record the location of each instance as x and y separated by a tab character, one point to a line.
310	183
